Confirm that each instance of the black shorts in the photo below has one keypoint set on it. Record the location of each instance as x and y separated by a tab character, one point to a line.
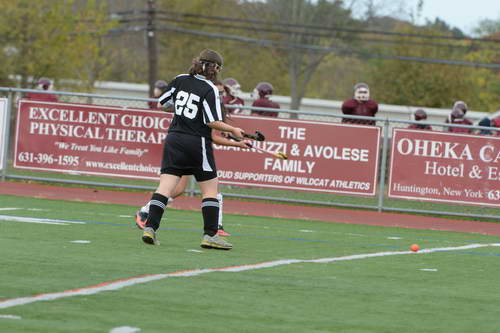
185	154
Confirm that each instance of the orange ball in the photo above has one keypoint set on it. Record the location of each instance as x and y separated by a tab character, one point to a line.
414	247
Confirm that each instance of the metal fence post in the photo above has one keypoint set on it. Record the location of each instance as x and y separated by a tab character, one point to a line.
6	137
383	166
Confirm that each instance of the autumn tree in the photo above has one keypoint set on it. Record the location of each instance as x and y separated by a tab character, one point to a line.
56	39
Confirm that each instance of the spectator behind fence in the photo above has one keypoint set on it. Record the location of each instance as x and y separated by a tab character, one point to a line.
42	84
160	88
458	105
419	116
360	105
232	93
264	90
457	117
485	122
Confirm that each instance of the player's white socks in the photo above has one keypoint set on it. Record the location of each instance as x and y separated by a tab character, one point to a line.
219	197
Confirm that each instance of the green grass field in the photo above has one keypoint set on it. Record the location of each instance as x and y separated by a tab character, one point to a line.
444	291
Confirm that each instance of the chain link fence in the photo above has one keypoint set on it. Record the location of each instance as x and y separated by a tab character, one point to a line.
381	202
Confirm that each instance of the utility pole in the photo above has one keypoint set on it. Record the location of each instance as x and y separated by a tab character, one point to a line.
152	47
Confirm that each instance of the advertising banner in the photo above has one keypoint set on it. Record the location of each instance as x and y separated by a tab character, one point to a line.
322	157
445	167
3	130
90	139
114	141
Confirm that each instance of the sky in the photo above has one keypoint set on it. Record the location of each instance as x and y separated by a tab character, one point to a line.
463	14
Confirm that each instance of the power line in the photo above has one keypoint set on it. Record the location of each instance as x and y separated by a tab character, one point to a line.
316	27
304	33
312	34
271	43
169	14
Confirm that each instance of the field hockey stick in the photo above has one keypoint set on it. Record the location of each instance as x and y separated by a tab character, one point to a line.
279	155
258	136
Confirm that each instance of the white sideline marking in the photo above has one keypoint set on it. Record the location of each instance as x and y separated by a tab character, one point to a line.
10	317
125	329
197	251
429	269
119	284
31	209
306	230
36	220
78	241
125	216
393	237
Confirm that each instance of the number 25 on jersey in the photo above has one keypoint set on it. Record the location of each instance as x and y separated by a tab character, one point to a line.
185	104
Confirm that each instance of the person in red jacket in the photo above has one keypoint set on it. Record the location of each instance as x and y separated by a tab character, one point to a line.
419	116
457	116
264	90
232	91
360	105
43	84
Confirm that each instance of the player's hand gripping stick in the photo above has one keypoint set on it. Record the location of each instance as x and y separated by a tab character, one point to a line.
258	136
279	155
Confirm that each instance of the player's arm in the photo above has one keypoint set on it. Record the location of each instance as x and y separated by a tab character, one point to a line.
166	99
222	126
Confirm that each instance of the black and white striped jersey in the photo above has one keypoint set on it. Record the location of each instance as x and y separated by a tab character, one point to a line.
196	103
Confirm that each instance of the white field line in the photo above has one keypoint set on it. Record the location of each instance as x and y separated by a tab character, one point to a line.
125	329
119	284
37	220
80	241
9	317
30	209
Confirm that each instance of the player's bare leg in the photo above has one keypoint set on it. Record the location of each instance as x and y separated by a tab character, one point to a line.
180	188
